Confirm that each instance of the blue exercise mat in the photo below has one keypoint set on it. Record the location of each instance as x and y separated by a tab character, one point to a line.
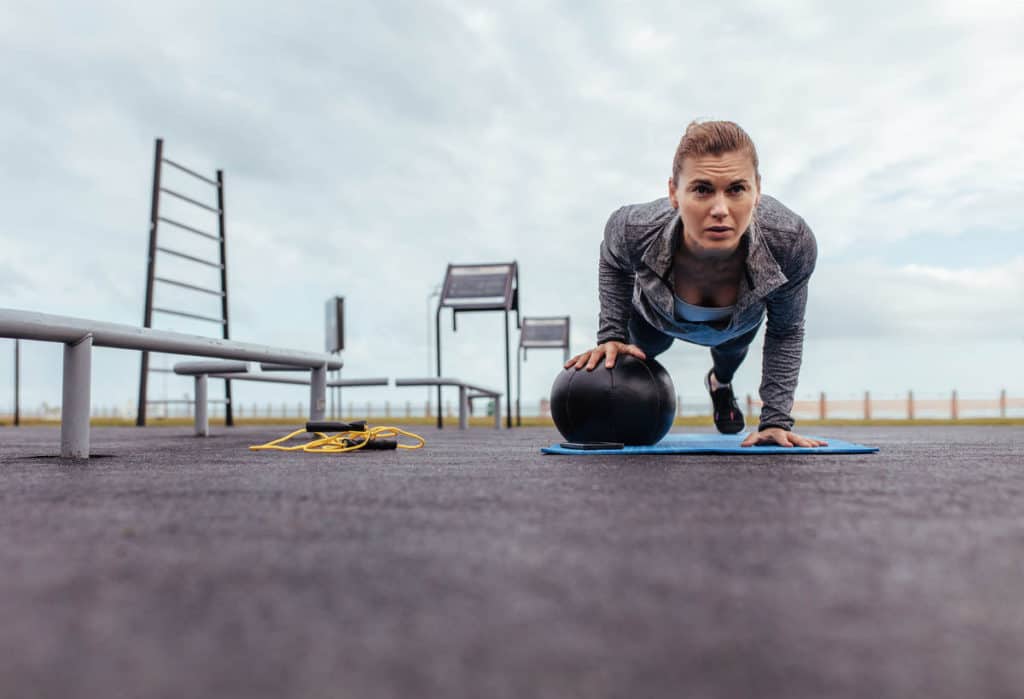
718	444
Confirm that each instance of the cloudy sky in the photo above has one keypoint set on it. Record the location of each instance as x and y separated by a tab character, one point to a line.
366	145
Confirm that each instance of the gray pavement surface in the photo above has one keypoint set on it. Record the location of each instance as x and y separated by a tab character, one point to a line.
477	567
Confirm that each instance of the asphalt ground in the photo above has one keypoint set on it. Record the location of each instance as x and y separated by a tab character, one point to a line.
478	567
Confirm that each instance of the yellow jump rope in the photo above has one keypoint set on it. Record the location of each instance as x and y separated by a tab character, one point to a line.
349	436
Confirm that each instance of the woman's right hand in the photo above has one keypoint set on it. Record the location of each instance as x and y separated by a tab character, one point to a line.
609	350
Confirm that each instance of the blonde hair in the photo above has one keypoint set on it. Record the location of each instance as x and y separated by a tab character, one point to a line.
713	138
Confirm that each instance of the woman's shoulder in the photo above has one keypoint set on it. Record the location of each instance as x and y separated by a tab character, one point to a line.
635	226
774	216
786	234
780	226
632	228
651	214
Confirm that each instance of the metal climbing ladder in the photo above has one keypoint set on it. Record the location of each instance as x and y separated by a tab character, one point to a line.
155	249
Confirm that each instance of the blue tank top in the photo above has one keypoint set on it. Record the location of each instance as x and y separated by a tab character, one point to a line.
701	314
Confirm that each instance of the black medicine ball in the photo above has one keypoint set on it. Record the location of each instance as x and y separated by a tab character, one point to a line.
634	403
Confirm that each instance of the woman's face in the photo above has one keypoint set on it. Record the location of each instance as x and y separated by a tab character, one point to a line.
715	196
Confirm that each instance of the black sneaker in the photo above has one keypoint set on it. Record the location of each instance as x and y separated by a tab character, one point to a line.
728	418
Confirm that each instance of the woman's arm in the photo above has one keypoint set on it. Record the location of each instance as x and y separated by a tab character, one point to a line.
615	278
784	335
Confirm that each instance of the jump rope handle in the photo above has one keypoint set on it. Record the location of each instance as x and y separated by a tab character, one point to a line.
358	426
382	444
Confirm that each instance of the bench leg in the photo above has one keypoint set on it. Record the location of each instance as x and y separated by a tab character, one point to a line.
77	399
463	408
497	412
318	393
202	415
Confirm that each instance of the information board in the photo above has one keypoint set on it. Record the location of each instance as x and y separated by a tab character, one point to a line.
545	332
334	315
479	287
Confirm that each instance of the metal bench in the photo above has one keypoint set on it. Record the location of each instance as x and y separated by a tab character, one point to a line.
246	371
79	335
467	392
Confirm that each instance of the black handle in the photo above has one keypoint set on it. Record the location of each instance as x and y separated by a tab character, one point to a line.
373	443
357	426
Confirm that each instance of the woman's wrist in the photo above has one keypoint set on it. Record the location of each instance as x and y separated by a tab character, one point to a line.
773	425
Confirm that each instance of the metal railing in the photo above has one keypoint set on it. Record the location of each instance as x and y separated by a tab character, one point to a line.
80	335
242	371
467	394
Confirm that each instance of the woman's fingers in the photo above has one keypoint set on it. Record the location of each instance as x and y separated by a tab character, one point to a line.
781	438
596	355
582	360
807	441
590	357
635	351
610	351
772	434
799	441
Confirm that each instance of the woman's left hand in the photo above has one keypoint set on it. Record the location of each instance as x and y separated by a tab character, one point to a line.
780	437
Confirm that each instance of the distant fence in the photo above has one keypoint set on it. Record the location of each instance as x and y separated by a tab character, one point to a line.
909	406
864	407
951	406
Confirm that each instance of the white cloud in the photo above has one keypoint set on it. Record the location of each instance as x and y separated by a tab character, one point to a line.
1007	279
366	146
870	299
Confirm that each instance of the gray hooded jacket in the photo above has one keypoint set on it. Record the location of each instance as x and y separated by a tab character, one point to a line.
636	276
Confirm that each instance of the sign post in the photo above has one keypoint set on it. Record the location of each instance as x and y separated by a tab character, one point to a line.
334	342
481	287
17	383
539	333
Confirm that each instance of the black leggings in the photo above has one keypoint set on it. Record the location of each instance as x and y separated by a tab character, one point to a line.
726	357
